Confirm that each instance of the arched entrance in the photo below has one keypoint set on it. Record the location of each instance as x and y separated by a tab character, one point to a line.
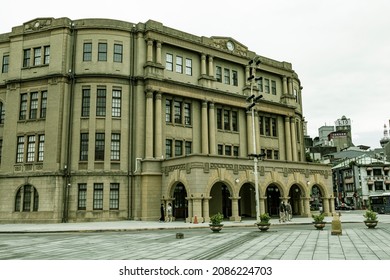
220	200
180	204
247	203
316	196
273	200
296	202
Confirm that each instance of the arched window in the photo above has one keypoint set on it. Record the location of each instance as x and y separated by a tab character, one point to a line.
27	199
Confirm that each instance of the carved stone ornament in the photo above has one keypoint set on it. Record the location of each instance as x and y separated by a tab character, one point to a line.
37	24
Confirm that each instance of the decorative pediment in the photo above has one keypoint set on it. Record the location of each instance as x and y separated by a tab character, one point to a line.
37	24
230	45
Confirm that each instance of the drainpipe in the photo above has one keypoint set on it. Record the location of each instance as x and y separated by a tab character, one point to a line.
67	173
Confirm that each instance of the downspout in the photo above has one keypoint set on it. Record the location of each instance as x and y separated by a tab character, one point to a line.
130	177
71	77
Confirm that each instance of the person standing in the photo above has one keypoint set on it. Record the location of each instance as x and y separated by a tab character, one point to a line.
288	211
282	212
169	212
162	213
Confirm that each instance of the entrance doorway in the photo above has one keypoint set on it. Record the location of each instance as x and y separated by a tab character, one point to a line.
180	204
273	200
220	201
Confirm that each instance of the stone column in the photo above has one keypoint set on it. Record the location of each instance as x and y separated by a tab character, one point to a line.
306	201
212	130
158	53
211	66
158	127
294	140
290	86
288	138
197	209
149	54
262	204
235	217
205	135
190	210
206	211
325	205
250	132
257	133
331	204
285	89
149	125
203	65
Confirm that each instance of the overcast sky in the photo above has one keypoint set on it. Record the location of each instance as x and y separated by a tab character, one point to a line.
340	49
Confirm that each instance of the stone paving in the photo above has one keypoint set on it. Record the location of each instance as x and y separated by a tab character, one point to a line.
296	240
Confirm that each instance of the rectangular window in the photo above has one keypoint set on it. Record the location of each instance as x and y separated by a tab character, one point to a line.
188	66
218	74
99	146
168	148
169	62
37	56
226	75
235	151
31	148
220	149
261	125
235	78
41	147
118	52
33	105
84	146
168	111
43	104
87	52
115	146
269	154
20	149
82	197
179	64
226	122
102	52
260	84
27	198
26	57
23	107
116	103
98	196
46	57
178	148
228	150
188	147
101	102
85	103
266	86
177	108
273	127
273	87
187	113
234	121
5	66
114	196
267	126
276	154
219	118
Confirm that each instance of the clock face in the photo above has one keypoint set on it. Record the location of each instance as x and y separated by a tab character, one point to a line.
230	45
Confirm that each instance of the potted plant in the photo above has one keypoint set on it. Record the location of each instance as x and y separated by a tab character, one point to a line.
216	222
264	222
318	221
371	220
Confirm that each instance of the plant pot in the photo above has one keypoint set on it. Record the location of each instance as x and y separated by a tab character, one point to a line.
216	228
370	224
263	226
319	225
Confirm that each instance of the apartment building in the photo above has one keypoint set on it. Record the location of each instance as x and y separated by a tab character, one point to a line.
106	120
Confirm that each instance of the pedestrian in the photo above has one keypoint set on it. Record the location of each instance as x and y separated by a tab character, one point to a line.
162	213
169	212
288	211
282	212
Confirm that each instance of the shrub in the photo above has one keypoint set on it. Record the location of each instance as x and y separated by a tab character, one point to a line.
264	218
216	219
370	215
318	218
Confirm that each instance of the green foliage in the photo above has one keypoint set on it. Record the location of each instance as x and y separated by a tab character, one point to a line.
216	219
264	218
318	218
370	215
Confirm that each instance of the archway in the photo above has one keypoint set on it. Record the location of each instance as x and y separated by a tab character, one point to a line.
273	200
220	200
180	204
247	203
296	202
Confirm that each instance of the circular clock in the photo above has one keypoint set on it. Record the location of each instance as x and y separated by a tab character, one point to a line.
230	45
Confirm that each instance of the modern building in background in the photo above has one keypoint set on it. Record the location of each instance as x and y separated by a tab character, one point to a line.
105	120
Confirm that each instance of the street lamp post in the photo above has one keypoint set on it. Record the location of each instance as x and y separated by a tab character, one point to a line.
253	100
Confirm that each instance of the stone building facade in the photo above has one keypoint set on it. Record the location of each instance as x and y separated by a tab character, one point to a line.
106	120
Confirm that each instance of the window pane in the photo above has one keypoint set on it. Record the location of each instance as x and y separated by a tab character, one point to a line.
31	148
43	104
118	49
188	66
85	105
26	57
37	56
82	197
115	146
114	196
101	103
98	196
87	54
169	62
99	146
179	64
102	52
23	106
84	146
116	103
41	147
33	105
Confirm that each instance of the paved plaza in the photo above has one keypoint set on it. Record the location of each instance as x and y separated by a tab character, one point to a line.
132	240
